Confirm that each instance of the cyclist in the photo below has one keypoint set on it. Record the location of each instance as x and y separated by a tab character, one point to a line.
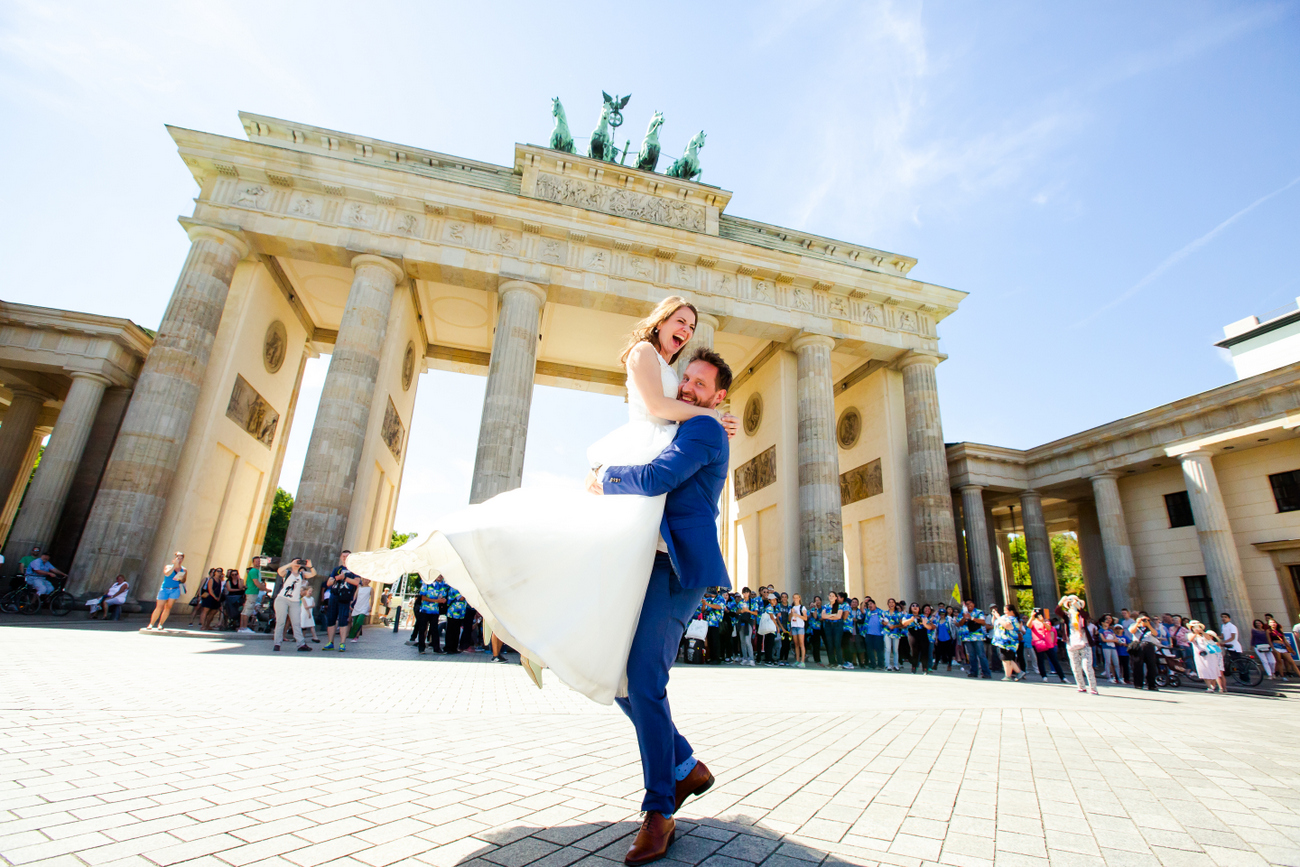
39	572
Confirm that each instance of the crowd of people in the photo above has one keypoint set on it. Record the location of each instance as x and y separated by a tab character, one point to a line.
286	603
775	629
748	628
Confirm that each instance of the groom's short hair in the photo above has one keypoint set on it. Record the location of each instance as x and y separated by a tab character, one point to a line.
723	380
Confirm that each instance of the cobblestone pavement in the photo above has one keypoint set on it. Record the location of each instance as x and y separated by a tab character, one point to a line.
132	750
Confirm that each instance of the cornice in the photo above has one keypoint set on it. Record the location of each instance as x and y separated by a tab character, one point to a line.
372	209
124	332
844	284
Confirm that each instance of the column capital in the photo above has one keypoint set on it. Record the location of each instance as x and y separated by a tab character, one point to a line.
388	265
913	357
1031	494
211	233
805	340
26	391
977	488
1196	455
90	375
702	318
1106	475
523	286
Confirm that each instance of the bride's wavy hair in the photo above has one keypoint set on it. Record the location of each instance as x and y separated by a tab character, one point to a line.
648	329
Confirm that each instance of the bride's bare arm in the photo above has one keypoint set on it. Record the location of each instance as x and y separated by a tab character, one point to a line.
643	371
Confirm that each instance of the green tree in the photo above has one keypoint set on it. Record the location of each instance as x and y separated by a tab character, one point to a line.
278	524
1069	566
1020	573
400	539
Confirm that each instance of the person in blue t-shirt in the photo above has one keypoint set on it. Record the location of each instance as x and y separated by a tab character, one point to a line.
945	638
970	631
714	605
814	635
873	634
457	614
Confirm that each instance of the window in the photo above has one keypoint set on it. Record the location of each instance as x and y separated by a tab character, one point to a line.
1199	602
1286	490
1179	507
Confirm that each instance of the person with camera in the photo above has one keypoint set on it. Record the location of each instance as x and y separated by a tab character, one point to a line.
173	585
342	585
1142	646
1209	658
293	576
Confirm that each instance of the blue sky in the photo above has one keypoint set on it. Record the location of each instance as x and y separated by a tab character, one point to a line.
1111	182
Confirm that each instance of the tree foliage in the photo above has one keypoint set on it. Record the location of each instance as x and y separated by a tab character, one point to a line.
278	524
400	539
1069	566
1065	557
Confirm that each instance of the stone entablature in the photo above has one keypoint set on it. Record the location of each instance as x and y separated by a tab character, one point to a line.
40	339
1234	415
273	193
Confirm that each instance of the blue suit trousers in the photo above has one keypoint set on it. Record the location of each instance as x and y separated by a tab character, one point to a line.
667	609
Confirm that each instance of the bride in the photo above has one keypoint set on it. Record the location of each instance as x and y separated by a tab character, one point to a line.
560	575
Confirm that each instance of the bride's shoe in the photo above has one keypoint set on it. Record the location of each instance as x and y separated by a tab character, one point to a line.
534	669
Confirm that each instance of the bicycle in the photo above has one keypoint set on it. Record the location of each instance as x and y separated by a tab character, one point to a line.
26	600
1244	668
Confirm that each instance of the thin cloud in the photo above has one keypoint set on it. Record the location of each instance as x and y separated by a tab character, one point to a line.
1181	254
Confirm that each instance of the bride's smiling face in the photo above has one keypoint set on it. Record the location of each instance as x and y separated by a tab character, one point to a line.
675	332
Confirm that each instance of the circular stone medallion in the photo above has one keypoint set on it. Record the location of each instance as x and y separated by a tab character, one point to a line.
753	414
274	346
849	428
408	365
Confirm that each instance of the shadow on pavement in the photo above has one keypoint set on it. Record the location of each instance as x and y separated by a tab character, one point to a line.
712	842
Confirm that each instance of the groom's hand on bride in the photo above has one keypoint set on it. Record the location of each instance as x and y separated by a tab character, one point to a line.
593	485
731	423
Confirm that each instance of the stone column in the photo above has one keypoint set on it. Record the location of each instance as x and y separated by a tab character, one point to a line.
15	437
963	552
1038	547
821	532
1218	547
329	474
40	512
1124	592
503	431
1092	555
933	532
999	580
983	582
19	488
138	479
706	324
81	493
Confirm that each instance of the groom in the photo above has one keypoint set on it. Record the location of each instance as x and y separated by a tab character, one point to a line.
692	472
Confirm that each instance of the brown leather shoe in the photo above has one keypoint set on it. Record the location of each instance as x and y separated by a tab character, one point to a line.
697	782
652	841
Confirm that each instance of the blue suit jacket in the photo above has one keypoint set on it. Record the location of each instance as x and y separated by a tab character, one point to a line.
692	472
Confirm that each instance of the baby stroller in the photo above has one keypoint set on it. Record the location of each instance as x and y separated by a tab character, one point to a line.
263	619
1170	668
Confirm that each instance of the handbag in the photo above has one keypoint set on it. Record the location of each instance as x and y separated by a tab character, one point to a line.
699	630
766	626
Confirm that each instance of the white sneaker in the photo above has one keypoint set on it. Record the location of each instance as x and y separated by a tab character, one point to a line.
246	630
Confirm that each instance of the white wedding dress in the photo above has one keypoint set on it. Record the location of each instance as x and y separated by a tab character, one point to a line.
559	575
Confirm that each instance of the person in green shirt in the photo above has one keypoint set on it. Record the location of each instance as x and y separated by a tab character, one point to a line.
254	587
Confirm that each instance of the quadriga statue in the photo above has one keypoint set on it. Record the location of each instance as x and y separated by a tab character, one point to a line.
561	138
687	166
601	146
648	159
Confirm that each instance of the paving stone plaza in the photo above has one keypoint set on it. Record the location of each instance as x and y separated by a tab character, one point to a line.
129	750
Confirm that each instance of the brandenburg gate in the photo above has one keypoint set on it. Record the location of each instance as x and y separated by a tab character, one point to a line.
393	260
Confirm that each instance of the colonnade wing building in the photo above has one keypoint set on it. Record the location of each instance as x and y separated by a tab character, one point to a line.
394	259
